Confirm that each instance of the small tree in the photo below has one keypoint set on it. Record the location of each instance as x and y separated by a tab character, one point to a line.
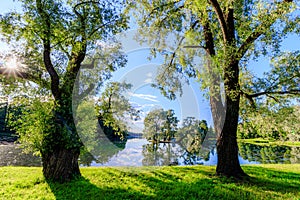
170	125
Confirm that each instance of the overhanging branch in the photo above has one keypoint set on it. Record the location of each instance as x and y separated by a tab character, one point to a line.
47	50
269	94
292	92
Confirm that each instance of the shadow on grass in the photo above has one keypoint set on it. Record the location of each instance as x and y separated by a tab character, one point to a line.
173	184
273	180
82	188
178	183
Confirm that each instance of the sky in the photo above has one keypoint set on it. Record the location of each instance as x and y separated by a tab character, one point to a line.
140	71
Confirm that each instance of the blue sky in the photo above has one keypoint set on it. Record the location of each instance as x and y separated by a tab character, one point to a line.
141	72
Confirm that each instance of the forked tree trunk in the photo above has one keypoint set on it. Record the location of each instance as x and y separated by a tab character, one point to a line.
61	164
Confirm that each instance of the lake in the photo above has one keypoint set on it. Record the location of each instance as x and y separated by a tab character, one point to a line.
139	152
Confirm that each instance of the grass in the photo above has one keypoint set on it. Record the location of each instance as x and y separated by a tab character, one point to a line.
192	182
265	142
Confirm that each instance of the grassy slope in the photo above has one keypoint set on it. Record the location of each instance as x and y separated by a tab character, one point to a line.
198	182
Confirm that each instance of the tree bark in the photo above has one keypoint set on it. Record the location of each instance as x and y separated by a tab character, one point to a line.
61	164
227	147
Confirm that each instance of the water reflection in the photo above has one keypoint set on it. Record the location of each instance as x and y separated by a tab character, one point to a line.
269	154
12	155
139	152
102	153
160	154
176	154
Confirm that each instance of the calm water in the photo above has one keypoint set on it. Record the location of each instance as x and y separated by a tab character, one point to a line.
12	155
139	152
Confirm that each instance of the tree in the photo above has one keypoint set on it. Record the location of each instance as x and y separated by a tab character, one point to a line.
153	123
100	143
170	125
160	124
3	113
51	39
229	34
113	108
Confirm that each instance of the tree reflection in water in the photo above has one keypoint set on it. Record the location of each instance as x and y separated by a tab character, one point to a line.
101	153
269	154
187	149
101	148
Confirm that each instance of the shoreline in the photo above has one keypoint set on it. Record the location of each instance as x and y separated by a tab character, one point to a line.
4	142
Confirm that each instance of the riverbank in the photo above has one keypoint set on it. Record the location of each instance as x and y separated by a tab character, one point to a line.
266	142
7	138
193	182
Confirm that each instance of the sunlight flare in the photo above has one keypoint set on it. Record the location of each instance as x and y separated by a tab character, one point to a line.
12	67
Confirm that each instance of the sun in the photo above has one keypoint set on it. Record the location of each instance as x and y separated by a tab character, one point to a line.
11	64
12	67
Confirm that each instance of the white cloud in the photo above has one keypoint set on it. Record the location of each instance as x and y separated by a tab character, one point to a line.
148	97
148	80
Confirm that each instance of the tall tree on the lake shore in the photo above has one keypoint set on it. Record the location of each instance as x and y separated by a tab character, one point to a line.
53	38
229	34
160	125
114	108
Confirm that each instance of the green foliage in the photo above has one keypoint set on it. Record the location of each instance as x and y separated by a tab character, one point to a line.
52	41
101	124
173	25
266	153
256	28
160	125
274	115
271	122
34	124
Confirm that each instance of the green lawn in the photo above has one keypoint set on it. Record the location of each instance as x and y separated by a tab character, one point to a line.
196	182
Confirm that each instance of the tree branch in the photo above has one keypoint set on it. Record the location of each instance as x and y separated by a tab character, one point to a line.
252	102
269	94
99	27
292	92
258	31
87	91
47	50
162	6
221	19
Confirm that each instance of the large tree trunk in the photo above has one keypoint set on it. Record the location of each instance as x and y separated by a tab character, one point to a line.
62	148
227	147
61	164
